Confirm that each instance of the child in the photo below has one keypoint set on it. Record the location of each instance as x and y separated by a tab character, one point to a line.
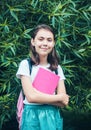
40	109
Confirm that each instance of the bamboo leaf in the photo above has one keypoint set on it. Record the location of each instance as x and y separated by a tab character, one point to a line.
14	15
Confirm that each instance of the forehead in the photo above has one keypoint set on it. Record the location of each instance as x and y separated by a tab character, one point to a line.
45	33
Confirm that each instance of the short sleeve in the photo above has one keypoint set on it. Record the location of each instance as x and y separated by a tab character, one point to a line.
60	73
23	69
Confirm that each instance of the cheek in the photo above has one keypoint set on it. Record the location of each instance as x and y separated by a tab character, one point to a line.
51	45
38	44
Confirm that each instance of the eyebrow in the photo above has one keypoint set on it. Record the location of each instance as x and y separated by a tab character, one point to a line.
44	37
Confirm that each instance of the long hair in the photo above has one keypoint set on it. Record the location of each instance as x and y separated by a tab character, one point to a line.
53	58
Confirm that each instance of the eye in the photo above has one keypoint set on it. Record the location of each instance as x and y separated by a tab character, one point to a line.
41	39
49	40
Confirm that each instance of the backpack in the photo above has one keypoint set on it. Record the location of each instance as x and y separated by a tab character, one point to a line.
20	104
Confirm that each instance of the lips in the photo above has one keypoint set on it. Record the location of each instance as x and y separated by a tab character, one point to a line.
44	48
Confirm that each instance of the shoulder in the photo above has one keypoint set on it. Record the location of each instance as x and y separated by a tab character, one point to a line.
59	67
23	62
23	68
60	72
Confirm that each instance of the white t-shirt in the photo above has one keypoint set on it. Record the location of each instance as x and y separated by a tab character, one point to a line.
24	70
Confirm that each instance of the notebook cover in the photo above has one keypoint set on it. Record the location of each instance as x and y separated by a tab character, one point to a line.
46	81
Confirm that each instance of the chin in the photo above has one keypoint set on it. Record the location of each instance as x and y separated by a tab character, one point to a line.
42	54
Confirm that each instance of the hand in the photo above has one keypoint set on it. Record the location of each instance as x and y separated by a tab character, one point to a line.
64	99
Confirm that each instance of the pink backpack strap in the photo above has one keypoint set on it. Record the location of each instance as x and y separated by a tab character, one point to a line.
20	107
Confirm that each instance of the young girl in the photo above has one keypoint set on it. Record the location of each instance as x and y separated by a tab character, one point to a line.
41	111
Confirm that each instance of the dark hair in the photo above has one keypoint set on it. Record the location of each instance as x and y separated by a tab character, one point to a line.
52	57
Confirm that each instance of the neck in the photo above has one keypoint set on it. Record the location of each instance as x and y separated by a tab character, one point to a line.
43	61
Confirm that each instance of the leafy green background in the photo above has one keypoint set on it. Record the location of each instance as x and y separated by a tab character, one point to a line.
71	20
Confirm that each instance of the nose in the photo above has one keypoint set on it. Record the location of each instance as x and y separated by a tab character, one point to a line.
45	42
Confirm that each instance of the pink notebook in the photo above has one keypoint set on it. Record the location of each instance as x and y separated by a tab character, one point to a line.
46	81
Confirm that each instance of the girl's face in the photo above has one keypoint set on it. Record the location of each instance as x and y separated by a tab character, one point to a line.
43	42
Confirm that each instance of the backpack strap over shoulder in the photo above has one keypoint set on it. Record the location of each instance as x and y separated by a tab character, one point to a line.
56	71
30	64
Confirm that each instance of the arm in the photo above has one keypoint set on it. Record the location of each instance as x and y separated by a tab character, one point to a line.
35	96
62	91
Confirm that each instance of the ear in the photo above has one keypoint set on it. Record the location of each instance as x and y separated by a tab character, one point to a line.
32	42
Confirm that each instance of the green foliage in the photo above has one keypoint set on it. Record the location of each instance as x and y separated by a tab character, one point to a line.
71	20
